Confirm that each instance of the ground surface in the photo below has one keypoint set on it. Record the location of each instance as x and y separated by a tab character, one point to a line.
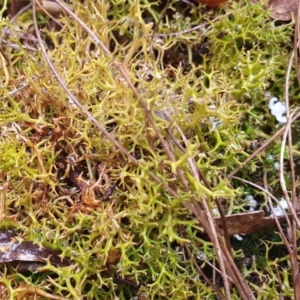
123	144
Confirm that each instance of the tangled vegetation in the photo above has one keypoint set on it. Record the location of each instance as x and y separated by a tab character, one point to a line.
117	179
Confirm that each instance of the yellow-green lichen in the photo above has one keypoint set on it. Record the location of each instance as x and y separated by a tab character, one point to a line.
59	166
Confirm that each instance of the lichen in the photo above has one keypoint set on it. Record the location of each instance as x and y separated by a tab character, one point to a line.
59	166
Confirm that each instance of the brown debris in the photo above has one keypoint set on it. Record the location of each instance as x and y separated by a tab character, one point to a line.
245	223
26	255
281	10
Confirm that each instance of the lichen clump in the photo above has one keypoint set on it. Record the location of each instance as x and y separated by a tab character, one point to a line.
71	189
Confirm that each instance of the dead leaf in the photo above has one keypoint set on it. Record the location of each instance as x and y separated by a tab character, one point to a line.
213	3
280	10
15	6
27	255
248	222
50	6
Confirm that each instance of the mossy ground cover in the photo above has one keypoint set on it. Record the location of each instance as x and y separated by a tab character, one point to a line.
202	75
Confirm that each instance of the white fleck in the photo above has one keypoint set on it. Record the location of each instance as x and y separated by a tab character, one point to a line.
279	210
238	237
215	212
278	110
251	202
283	203
200	255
